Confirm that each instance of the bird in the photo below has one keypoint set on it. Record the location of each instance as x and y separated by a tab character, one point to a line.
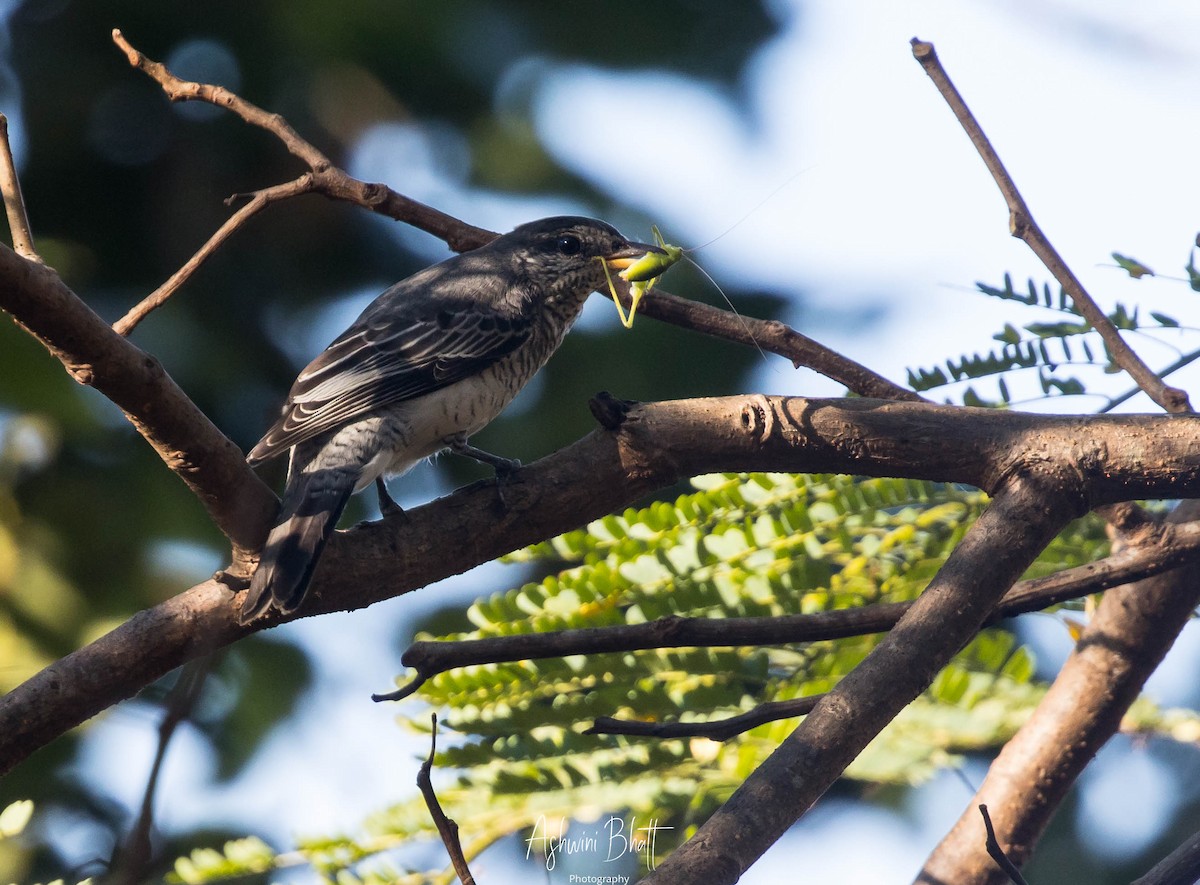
428	363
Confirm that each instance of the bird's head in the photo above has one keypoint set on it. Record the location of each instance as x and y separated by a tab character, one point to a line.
566	255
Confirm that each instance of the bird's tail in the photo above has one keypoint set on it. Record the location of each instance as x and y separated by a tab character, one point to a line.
312	505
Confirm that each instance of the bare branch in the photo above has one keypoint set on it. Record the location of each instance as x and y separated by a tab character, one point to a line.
996	853
1023	517
1022	225
14	203
446	828
132	863
714	730
1131	631
258	201
1154	550
1107	459
1180	867
237	501
771	336
1120	648
327	179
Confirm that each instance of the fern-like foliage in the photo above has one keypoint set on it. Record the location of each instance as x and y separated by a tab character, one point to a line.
1048	348
763	544
740	546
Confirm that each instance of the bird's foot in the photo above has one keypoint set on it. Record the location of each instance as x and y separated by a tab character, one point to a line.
458	445
388	508
504	467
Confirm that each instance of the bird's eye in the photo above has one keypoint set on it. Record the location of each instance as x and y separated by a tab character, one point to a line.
568	244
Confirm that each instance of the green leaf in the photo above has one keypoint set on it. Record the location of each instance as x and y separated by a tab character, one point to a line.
1132	266
1009	335
1192	272
1020	666
1058	330
14	818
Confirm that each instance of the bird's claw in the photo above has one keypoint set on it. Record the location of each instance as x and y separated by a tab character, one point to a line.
236	583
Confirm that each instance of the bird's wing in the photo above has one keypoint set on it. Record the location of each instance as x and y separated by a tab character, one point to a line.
389	355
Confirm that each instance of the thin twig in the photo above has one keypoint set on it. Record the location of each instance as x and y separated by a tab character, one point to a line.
996	853
1023	226
446	828
714	730
1186	360
774	337
177	89
135	857
325	178
14	203
258	201
1153	550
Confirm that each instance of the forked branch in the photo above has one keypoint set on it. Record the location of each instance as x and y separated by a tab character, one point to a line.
1023	226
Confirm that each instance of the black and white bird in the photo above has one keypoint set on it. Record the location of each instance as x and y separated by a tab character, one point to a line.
430	361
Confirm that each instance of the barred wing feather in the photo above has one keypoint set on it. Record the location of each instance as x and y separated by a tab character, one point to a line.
375	364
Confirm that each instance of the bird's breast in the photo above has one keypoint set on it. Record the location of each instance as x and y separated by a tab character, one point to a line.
419	427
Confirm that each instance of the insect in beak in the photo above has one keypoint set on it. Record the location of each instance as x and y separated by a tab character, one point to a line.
640	265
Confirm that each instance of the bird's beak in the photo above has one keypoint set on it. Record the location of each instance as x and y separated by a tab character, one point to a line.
628	254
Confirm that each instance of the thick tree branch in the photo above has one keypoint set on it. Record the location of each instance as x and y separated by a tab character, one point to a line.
239	504
1024	516
1109	458
1133	628
1022	225
1159	549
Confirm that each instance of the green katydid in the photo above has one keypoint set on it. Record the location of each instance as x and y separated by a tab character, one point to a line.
642	274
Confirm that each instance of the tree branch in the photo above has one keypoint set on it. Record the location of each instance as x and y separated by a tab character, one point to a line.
1180	867
713	729
446	827
1131	632
1128	637
1158	549
1025	515
1109	458
997	853
237	501
14	203
774	337
132	860
1023	226
325	178
258	201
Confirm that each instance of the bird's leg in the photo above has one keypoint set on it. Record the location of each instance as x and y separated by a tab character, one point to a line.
387	504
503	466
